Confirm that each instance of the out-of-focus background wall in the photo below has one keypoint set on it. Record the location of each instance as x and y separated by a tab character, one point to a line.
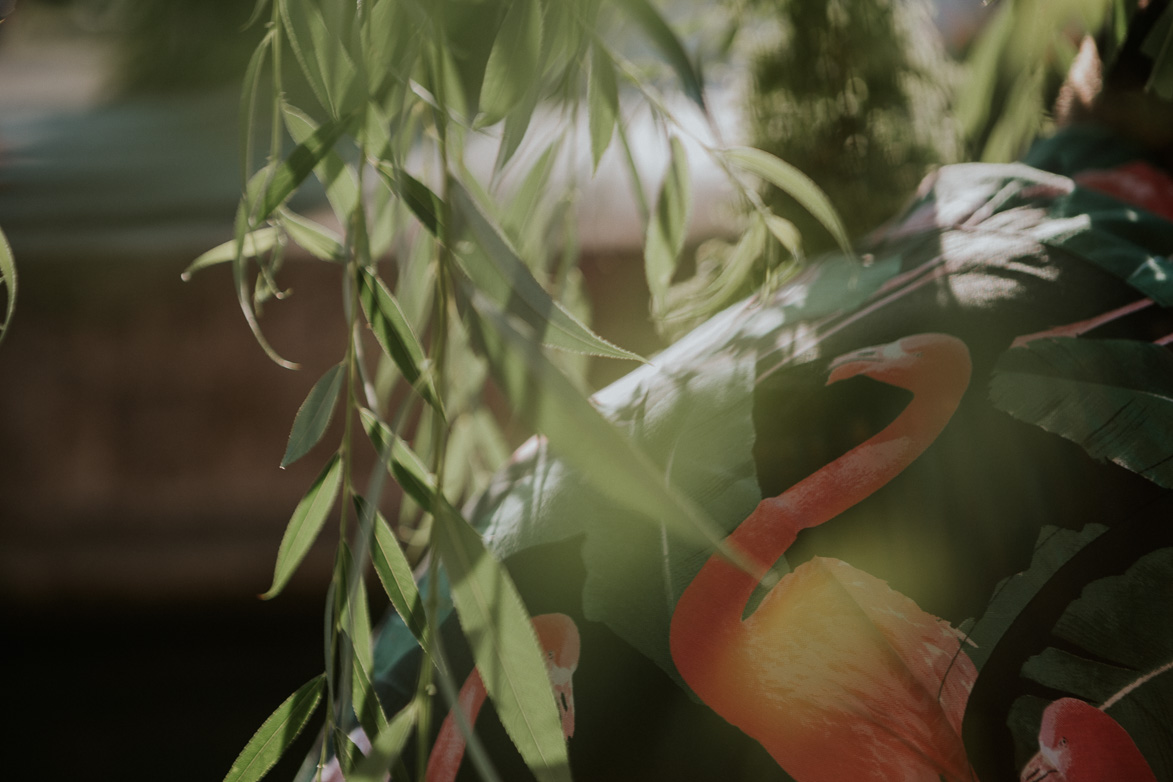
141	427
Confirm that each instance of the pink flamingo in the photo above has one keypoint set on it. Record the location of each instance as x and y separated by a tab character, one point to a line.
837	675
558	637
1081	743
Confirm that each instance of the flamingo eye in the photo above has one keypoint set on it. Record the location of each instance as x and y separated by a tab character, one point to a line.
549	654
1063	741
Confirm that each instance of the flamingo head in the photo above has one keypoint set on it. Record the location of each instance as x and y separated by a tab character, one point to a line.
916	362
559	639
1080	743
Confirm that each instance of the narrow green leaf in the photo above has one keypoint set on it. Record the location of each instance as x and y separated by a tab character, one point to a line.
307	521
603	101
795	183
339	179
277	733
786	233
8	280
1112	397
256	243
420	199
354	616
395	335
1159	46
637	188
386	747
514	62
579	432
517	123
505	279
258	9
669	225
394	573
366	702
662	37
405	467
316	239
314	415
504	647
248	97
240	279
318	32
301	161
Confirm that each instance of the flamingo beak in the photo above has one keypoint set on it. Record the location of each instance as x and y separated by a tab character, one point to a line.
561	678
1038	767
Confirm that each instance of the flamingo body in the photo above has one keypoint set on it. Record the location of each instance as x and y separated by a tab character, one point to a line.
837	675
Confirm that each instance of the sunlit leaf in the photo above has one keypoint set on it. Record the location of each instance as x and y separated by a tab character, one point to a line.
386	747
603	102
506	280
7	280
307	521
314	415
316	239
405	467
394	573
339	180
318	34
277	733
668	227
1112	397
664	39
301	161
394	334
796	184
256	243
503	644
515	61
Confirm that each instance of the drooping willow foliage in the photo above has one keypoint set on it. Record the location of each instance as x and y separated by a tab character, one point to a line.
455	277
465	277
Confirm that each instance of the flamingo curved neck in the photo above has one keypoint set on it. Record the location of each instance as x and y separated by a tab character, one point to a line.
712	606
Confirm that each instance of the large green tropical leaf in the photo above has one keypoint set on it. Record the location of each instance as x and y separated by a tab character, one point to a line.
1112	397
277	733
1085	619
1115	633
635	508
504	646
